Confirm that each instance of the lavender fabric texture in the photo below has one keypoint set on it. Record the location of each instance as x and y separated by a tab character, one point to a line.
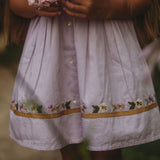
82	79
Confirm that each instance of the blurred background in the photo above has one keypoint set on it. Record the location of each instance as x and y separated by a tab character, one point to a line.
9	58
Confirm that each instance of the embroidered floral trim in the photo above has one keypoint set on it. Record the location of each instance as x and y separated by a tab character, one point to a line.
32	110
30	106
120	113
101	108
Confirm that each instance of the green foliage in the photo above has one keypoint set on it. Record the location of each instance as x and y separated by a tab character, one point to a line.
149	151
83	150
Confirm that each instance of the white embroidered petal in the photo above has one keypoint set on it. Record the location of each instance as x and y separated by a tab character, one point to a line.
103	107
139	103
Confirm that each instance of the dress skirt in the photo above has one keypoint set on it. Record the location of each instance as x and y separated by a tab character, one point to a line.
82	79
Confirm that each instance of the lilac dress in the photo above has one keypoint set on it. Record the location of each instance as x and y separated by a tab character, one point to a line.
82	79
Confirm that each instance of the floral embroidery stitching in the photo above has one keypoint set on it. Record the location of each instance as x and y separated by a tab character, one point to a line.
132	105
30	106
151	99
121	107
103	107
67	104
95	108
51	108
114	107
83	108
139	103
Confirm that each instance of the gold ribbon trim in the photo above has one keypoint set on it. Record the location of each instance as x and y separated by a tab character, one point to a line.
88	116
118	114
45	116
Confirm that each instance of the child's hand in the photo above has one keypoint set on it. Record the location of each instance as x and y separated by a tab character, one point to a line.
49	12
105	9
91	9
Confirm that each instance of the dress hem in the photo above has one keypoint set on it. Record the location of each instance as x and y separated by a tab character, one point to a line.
36	146
125	145
120	145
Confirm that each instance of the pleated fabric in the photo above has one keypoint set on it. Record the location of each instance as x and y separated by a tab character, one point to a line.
82	80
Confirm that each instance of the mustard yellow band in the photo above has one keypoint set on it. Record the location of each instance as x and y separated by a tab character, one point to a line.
45	116
118	114
89	116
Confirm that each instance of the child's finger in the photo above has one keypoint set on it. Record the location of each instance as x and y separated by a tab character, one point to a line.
47	14
76	7
74	14
51	9
78	1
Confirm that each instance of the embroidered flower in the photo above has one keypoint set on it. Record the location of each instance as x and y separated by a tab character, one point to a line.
13	102
21	107
147	101
58	107
74	101
103	107
39	109
114	107
120	106
16	106
51	108
67	104
132	105
25	108
95	108
151	99
33	108
63	106
139	103
83	108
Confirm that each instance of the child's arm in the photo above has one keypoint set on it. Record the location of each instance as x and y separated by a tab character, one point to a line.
128	8
106	9
21	8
